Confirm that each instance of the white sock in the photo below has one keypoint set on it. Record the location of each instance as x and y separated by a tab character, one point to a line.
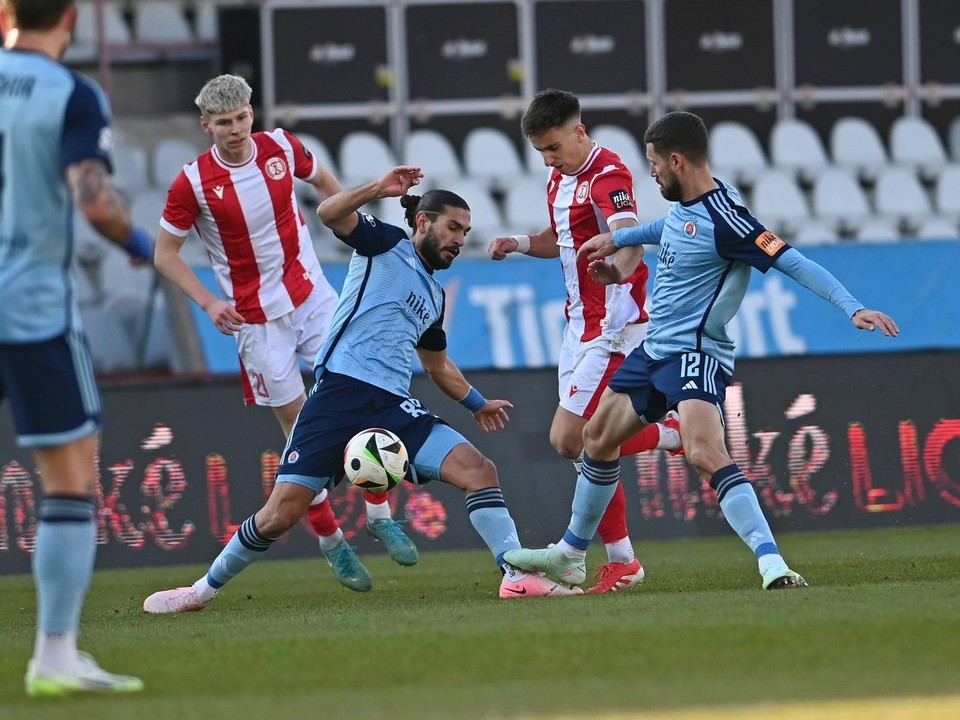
329	542
378	512
513	573
578	464
319	497
669	438
570	551
204	590
621	551
770	560
55	650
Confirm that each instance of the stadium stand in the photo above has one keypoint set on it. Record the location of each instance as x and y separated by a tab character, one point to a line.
435	154
856	144
735	152
491	157
795	146
914	144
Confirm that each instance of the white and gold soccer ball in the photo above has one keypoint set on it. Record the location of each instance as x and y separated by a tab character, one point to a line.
375	459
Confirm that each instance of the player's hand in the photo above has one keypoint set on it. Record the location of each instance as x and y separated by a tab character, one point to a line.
501	247
224	317
604	273
597	247
493	416
399	180
871	319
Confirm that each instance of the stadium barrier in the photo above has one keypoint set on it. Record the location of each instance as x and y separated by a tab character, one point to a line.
831	442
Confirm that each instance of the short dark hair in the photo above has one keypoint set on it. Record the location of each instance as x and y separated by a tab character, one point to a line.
35	14
681	132
549	109
432	203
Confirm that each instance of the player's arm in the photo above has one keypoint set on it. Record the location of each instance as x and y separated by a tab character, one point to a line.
325	182
168	261
491	415
541	245
605	244
339	211
95	195
817	278
625	260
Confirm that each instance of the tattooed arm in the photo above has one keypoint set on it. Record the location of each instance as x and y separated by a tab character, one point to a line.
97	198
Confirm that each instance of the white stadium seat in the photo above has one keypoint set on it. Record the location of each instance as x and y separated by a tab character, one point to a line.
938	228
779	203
623	143
485	217
915	144
900	196
490	157
878	230
161	21
814	233
435	154
947	193
735	153
838	198
525	206
168	158
795	146
364	156
856	144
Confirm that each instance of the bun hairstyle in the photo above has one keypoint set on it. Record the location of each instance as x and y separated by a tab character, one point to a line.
432	203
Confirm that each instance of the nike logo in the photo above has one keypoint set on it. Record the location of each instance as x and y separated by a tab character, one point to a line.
521	591
219	191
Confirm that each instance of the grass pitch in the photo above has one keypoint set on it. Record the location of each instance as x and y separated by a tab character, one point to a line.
877	635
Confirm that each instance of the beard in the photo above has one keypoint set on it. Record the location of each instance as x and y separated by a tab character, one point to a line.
432	253
670	189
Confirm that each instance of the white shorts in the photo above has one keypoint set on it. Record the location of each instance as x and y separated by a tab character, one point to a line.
585	368
270	351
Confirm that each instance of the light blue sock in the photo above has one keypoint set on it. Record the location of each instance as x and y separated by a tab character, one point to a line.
741	508
491	519
63	561
246	545
596	485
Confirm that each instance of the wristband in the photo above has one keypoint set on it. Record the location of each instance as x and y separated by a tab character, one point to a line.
139	245
473	400
523	243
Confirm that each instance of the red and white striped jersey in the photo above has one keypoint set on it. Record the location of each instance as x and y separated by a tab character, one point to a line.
250	224
582	205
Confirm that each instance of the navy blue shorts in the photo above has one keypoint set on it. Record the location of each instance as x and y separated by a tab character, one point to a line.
656	386
337	409
52	390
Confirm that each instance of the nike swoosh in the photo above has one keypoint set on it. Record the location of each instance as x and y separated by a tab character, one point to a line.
522	591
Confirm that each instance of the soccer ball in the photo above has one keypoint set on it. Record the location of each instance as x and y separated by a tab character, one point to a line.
375	459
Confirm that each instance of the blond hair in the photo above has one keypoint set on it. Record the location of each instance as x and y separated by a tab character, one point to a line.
223	94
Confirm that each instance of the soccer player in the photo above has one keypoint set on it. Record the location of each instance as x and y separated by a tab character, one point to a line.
589	190
278	305
55	144
391	305
708	244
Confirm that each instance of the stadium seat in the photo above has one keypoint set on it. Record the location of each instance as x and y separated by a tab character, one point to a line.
88	245
779	203
490	157
795	146
146	207
815	233
915	144
319	150
838	199
623	143
534	161
435	154
110	346
205	20
900	196
115	27
168	158
856	144
651	204
938	228
953	135
161	21
878	230
947	192
525	206
364	156
735	153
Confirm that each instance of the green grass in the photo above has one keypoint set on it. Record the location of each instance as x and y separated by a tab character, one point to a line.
876	635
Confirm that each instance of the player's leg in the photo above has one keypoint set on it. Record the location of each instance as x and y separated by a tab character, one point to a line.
706	451
58	417
311	322
447	456
618	416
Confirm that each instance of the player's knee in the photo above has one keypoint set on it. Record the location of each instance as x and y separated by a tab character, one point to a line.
470	472
566	448
275	518
596	443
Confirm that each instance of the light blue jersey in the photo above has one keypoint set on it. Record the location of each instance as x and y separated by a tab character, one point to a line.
50	118
707	248
390	304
